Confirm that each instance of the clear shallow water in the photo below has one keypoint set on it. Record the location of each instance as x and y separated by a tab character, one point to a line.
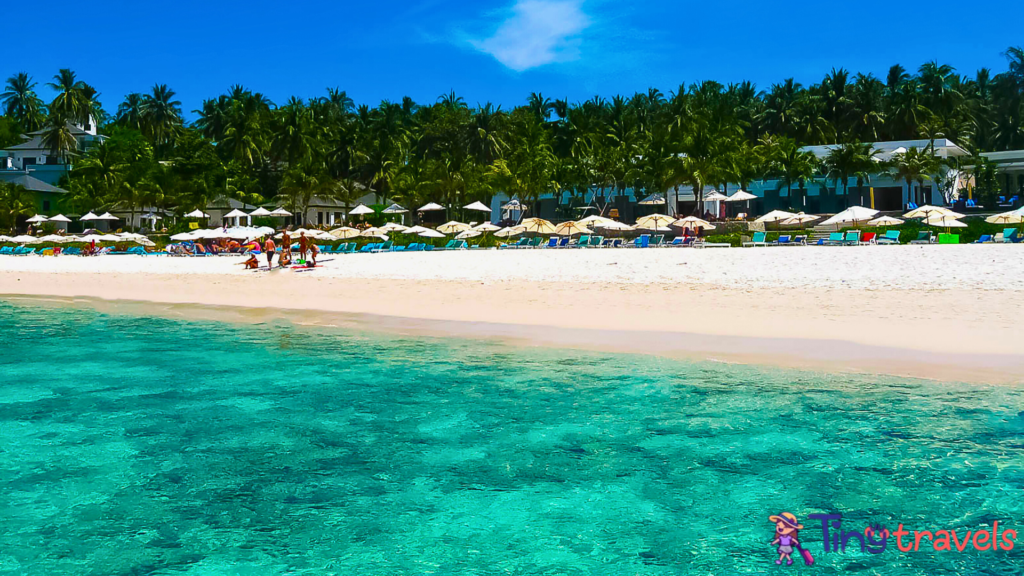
136	445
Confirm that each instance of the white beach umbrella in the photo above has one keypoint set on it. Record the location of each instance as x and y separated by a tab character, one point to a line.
486	227
927	211
55	238
107	216
344	233
394	209
740	196
25	239
853	214
693	222
615	225
453	227
373	232
538	226
570	228
800	218
37	219
415	230
655	222
944	221
430	207
428	233
464	235
4	238
510	231
361	210
595	220
1011	217
775	216
236	213
89	217
197	214
60	218
261	211
280	212
110	238
653	199
183	236
394	227
478	206
715	196
883	221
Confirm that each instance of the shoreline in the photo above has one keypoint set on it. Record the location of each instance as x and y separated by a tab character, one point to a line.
895	332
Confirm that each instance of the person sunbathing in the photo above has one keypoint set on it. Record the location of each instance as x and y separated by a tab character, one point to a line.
252	263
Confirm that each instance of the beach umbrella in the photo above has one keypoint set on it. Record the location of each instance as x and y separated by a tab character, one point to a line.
513	204
466	234
429	207
280	213
344	233
394	227
693	222
510	231
197	214
428	233
944	221
60	218
1012	217
775	216
615	225
373	232
37	219
538	226
25	239
800	218
569	228
261	211
361	210
453	227
236	213
107	216
715	196
596	221
394	209
655	222
183	236
4	238
926	211
55	238
653	199
853	214
478	206
883	221
740	196
486	227
89	217
415	229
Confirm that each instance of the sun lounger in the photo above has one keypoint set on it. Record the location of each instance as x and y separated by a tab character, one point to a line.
596	241
701	243
1011	235
658	240
891	237
759	239
676	242
6	250
985	239
642	241
868	238
835	239
923	238
552	242
784	240
852	238
582	241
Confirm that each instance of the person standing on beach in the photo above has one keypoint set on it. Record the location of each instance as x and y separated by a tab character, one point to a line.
269	248
286	245
303	245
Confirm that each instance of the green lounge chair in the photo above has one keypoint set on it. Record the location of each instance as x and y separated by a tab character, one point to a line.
891	237
6	250
852	238
1011	236
657	240
759	239
924	237
596	241
581	242
835	239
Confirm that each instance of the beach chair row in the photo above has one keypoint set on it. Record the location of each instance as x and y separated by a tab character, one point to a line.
586	241
389	246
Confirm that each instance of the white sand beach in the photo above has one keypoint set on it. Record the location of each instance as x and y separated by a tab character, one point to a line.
948	312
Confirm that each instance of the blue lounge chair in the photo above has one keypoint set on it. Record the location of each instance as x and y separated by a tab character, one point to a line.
784	240
852	238
677	241
7	250
1011	235
835	239
552	243
985	239
564	242
596	241
583	241
757	240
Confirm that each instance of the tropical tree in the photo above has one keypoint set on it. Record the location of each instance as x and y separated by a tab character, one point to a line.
21	103
914	165
15	201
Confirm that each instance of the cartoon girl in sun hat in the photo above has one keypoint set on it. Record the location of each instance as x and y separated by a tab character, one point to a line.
787	528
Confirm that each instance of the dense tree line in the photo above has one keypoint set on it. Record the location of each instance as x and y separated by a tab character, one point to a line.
703	135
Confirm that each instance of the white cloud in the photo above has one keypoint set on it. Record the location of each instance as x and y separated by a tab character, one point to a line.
537	32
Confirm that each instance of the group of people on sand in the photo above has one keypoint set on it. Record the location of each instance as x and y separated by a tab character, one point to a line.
269	248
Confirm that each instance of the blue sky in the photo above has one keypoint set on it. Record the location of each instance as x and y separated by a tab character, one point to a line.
494	50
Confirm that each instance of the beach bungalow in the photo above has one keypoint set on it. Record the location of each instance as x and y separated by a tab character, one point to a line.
1010	167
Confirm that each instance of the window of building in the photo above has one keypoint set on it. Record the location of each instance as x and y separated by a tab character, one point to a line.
28	161
46	205
320	218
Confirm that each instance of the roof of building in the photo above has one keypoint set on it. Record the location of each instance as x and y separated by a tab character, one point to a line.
1005	156
943	147
29	182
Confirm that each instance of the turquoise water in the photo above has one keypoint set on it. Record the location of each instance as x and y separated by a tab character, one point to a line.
135	445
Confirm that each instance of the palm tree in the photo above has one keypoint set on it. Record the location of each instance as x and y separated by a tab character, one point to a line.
911	166
161	116
853	159
794	166
21	103
130	112
72	102
15	201
59	138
